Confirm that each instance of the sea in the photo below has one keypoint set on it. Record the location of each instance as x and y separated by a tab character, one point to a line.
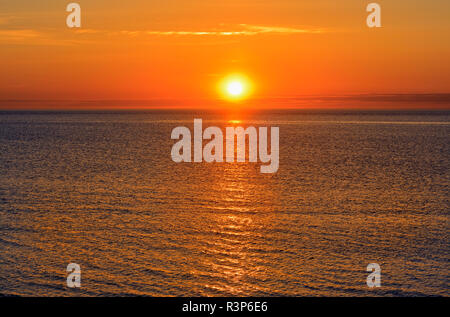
100	189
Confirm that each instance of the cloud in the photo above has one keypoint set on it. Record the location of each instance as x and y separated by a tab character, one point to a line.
86	31
36	37
19	35
242	29
82	35
257	29
422	101
400	98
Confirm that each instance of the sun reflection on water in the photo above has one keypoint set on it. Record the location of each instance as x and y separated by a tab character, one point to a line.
236	229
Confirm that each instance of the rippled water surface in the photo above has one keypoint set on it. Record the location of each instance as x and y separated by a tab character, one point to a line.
101	190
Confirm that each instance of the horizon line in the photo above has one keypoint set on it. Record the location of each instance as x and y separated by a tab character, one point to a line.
362	101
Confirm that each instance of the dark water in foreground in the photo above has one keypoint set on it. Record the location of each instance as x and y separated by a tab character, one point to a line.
101	190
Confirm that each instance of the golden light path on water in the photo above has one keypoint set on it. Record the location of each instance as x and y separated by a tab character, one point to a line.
236	229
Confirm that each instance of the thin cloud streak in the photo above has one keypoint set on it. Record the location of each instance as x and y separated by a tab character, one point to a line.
52	37
19	34
245	29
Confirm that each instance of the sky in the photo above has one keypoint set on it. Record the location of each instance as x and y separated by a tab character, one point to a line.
174	53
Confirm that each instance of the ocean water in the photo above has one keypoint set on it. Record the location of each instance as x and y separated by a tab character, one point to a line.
100	189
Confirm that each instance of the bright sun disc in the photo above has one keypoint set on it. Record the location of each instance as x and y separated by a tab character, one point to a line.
235	88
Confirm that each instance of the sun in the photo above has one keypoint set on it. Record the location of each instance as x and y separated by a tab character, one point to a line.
235	87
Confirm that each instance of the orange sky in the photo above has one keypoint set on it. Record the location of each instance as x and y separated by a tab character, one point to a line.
174	52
